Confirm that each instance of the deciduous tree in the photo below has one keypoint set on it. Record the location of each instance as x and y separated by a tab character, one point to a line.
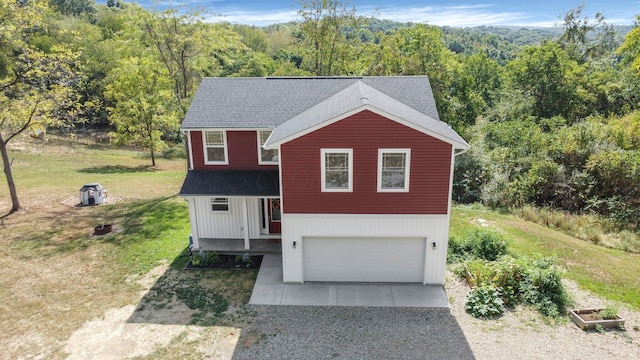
35	85
322	29
145	108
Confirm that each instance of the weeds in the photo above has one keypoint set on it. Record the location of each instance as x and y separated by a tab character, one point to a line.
533	281
591	228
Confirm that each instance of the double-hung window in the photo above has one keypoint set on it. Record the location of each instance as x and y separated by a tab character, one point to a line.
393	170
266	156
215	147
337	169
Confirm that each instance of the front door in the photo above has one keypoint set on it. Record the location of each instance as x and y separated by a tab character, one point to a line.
275	216
271	215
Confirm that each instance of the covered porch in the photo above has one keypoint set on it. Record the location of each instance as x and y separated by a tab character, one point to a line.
258	246
233	210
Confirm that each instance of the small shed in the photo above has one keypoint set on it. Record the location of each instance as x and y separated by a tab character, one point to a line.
92	194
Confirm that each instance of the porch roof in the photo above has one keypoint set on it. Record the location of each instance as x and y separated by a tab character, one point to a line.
231	183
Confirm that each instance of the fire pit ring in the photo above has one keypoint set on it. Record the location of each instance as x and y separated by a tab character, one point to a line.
102	229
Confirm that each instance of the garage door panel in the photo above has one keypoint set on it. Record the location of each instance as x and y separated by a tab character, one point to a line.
363	259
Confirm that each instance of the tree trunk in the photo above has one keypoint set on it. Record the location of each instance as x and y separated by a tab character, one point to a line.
7	172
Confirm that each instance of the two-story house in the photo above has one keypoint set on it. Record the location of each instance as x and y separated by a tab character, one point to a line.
353	174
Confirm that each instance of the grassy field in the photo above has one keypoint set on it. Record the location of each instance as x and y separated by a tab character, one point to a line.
609	273
56	277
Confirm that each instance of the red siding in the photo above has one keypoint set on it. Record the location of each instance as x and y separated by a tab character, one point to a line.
242	149
365	133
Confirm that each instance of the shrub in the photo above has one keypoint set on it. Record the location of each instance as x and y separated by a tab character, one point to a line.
477	244
486	244
204	259
455	251
484	302
542	287
536	282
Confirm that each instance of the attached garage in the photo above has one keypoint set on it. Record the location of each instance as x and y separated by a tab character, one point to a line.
364	259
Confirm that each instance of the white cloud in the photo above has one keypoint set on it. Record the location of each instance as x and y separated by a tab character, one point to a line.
257	18
456	16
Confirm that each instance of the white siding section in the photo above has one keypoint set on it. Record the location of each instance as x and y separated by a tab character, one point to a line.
225	225
253	206
432	227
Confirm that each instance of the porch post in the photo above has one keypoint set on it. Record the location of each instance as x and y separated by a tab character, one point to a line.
245	223
193	217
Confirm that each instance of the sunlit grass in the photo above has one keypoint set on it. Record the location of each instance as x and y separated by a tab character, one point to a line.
609	273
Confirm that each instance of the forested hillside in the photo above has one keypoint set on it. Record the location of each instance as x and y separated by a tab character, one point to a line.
551	114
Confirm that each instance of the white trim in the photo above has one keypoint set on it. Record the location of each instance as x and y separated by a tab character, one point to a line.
190	147
271	219
245	224
407	169
226	129
226	202
323	184
225	146
193	222
260	148
445	244
456	144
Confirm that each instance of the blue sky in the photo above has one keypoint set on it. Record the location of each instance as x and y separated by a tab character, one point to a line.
538	13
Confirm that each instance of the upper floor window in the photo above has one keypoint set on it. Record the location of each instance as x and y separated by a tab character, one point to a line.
266	156
215	148
337	169
393	169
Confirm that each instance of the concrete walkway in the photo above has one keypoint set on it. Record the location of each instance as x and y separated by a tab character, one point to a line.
270	290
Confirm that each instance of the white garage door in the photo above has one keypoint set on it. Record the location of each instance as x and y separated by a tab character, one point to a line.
363	259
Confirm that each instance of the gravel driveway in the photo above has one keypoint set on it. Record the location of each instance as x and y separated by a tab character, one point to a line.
308	332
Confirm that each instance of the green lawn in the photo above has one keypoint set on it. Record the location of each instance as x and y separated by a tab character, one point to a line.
56	276
611	274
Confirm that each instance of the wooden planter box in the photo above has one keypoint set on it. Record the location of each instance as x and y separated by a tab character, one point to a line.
588	319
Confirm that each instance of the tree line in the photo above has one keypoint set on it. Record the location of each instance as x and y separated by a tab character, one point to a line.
552	115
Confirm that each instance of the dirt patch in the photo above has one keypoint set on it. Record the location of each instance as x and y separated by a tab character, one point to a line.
535	337
142	330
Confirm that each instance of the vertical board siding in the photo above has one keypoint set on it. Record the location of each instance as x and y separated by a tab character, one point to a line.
219	225
296	227
242	149
365	133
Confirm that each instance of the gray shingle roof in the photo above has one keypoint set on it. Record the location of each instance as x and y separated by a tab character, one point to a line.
268	102
356	98
263	183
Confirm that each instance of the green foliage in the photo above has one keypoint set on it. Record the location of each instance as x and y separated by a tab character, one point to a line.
484	302
542	287
610	312
322	33
74	7
549	112
478	244
608	277
536	282
205	258
551	78
492	273
630	49
471	172
145	108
